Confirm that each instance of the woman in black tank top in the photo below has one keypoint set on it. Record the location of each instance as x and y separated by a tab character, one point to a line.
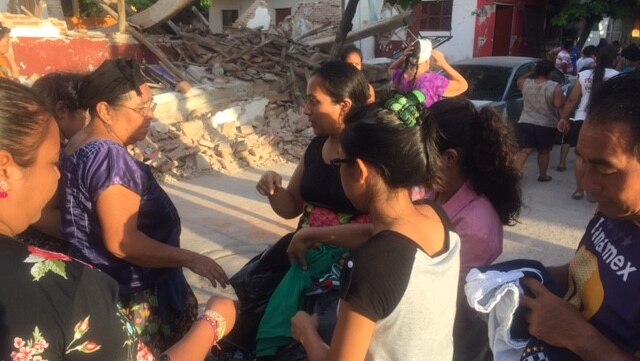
333	90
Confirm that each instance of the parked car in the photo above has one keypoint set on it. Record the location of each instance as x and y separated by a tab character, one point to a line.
493	82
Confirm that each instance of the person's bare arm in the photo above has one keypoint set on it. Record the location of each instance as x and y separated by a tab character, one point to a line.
347	236
556	322
570	103
286	202
117	209
350	340
197	343
457	83
558	98
521	80
399	64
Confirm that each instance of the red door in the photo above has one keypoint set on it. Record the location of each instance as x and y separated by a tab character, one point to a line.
281	14
502	33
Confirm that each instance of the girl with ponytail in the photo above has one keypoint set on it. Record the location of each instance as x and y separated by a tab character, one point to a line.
481	193
588	81
396	288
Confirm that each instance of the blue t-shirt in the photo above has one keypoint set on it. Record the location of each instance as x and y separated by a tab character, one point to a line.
85	175
605	280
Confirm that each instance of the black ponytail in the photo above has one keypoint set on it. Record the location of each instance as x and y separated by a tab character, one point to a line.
487	149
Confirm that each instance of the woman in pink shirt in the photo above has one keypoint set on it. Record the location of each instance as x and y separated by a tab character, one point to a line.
481	193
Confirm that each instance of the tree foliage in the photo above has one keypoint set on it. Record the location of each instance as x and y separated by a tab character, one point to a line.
595	10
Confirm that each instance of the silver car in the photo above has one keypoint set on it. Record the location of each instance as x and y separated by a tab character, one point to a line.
493	82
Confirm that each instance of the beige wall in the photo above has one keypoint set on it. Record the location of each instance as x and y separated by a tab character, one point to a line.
215	13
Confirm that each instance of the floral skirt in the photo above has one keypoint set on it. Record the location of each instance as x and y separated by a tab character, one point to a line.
141	308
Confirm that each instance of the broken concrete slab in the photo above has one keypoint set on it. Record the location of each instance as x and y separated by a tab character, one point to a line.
245	112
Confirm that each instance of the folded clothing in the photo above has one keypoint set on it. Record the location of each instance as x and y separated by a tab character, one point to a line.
495	292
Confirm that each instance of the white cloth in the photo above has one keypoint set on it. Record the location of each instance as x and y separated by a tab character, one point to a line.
498	294
425	49
585	78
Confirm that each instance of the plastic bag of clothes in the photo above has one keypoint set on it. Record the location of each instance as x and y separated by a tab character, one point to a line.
254	284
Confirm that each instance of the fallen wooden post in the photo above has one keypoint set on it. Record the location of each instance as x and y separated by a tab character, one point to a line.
177	73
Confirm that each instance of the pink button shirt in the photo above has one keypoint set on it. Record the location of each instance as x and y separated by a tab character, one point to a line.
476	222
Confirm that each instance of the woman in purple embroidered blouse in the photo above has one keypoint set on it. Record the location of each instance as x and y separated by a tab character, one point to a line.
117	218
412	72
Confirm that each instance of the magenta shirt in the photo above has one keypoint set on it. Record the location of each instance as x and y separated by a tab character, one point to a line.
431	84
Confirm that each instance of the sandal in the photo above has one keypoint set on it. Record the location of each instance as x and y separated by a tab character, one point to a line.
544	178
561	168
577	195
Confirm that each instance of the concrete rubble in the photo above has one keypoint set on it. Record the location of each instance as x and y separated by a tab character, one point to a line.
247	134
245	109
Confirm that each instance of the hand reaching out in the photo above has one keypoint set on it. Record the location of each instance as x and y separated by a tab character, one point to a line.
269	184
550	318
208	268
302	241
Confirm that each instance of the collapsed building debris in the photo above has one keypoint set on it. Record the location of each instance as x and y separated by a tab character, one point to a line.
252	133
231	135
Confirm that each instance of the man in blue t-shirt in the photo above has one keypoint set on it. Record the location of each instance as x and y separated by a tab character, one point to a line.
599	319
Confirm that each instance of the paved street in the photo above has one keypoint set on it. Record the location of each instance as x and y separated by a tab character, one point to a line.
224	217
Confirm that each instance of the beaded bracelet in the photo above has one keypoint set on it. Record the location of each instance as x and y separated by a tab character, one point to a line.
217	322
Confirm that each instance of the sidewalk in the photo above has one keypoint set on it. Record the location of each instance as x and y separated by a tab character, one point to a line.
224	217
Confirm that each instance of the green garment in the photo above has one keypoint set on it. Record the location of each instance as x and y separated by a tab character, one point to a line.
275	328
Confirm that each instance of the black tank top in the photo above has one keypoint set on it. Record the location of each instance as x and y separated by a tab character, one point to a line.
321	185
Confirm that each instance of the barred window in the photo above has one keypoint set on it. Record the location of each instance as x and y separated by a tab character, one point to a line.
436	15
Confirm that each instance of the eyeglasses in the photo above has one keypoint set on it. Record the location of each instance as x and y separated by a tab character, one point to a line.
144	110
336	162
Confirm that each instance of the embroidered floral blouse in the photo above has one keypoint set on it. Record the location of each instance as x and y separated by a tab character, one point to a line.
55	308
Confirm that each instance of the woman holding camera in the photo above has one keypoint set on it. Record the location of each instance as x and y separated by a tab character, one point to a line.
412	72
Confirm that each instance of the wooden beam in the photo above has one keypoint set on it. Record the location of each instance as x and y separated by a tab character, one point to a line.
378	27
177	73
122	17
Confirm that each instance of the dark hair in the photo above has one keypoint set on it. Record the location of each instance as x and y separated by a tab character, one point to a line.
604	59
616	101
342	80
567	44
59	87
23	122
378	137
348	50
4	31
589	50
631	52
543	68
487	147
110	83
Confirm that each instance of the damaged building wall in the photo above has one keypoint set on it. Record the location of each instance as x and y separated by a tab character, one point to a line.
511	27
316	12
462	25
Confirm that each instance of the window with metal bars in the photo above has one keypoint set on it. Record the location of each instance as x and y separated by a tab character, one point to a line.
436	15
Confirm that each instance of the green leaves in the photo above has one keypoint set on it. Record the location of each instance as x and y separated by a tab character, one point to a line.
42	266
596	9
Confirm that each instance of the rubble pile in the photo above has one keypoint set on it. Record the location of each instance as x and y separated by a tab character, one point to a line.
187	149
220	138
249	55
